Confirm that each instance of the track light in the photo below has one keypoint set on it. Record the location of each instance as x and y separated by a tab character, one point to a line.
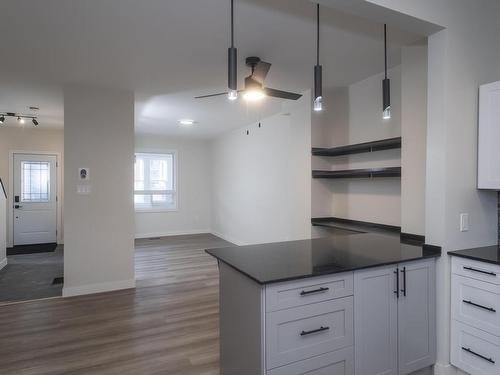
386	84
35	122
20	120
2	119
318	72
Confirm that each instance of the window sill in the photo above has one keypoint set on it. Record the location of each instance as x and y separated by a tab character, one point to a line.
153	210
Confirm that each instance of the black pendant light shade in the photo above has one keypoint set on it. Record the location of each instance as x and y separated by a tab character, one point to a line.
232	63
386	84
318	72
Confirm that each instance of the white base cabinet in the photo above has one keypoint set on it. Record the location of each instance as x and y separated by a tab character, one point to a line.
341	324
395	318
475	313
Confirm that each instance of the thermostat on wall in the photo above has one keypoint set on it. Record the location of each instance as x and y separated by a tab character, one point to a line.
83	174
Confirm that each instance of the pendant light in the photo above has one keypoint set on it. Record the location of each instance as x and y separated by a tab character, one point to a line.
318	72
232	63
386	84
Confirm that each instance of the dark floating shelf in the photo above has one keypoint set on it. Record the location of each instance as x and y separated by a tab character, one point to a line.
383	144
354	225
359	173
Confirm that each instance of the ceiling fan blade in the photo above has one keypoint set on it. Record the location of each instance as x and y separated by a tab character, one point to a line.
260	71
210	95
281	94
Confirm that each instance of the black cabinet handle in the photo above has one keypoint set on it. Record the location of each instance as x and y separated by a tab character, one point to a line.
396	292
403	271
320	329
480	271
480	306
468	350
319	290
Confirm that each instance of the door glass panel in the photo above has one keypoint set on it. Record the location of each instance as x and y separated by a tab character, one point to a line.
35	181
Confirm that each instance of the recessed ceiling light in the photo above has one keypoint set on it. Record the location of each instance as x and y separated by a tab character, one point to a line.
186	122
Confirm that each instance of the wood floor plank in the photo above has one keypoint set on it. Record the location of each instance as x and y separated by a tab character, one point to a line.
168	324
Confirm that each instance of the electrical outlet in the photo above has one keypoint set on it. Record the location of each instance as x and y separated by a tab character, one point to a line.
464	222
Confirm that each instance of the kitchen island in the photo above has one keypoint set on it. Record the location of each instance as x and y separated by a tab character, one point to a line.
346	304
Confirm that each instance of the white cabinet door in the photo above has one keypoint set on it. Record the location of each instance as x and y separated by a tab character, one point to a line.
417	316
375	321
489	134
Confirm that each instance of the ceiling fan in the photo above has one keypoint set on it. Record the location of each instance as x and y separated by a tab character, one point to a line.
254	83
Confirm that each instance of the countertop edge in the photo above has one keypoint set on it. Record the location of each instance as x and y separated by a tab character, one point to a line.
472	257
437	254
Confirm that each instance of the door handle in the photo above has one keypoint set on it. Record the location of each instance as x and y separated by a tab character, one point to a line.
396	292
17	207
403	271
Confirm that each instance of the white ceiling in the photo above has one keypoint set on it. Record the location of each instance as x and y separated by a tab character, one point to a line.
168	51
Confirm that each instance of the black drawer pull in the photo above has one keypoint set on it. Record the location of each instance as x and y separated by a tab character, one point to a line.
480	271
480	306
319	290
396	292
321	329
468	350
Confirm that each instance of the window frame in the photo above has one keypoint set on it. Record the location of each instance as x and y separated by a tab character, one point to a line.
175	191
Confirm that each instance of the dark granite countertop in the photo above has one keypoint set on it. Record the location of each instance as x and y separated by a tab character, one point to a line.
284	261
488	254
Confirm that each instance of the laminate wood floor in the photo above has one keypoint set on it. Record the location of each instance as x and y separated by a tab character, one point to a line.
169	324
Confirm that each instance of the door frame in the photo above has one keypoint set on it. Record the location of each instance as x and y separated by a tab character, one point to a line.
10	193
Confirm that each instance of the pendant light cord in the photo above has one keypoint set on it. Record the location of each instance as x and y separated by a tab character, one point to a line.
232	23
385	49
317	34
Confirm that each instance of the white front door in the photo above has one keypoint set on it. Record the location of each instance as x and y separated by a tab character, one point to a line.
35	199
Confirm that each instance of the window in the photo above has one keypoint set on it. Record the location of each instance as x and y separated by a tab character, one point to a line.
155	185
35	181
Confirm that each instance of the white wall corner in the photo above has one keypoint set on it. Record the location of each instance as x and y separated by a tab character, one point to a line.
98	288
234	241
3	263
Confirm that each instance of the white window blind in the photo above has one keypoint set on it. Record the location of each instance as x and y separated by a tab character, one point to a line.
155	185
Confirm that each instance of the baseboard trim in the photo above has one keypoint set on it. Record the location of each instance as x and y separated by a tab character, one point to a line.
3	263
171	233
445	369
229	239
98	288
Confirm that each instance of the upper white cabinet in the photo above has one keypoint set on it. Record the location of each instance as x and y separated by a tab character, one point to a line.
489	133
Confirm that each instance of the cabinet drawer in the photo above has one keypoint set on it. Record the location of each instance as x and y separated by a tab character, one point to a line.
303	292
473	350
477	270
307	331
340	362
476	303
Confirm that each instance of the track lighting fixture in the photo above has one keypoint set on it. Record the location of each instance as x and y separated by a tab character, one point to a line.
318	72
21	119
232	61
386	84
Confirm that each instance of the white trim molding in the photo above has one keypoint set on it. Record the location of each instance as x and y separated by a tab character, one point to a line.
98	288
171	233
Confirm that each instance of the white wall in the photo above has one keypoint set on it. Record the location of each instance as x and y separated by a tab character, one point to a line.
414	134
99	227
3	230
26	138
354	115
261	190
193	189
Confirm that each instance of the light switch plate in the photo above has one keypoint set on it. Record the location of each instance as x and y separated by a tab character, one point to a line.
464	222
